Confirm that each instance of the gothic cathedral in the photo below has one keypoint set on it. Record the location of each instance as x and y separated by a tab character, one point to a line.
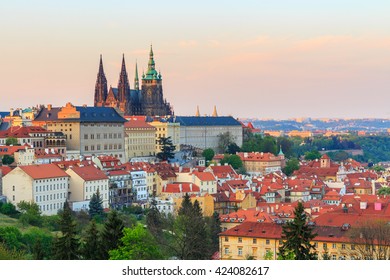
149	101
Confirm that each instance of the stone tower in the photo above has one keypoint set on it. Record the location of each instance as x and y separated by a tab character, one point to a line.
101	86
123	88
153	102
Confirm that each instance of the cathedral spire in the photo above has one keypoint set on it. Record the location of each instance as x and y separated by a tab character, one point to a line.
215	114
151	73
136	81
123	84
100	86
197	111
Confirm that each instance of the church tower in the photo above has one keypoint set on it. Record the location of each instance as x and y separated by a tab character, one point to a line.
124	89
152	94
100	86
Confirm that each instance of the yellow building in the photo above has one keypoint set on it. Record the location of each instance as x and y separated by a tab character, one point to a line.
140	139
302	134
166	129
44	184
262	163
206	202
88	130
261	240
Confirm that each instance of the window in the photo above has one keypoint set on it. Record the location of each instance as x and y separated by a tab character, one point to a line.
85	136
325	246
92	136
334	257
254	241
334	246
226	238
352	247
240	251
240	240
267	241
316	244
226	250
343	246
86	148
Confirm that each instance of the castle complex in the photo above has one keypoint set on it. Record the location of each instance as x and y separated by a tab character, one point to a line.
148	100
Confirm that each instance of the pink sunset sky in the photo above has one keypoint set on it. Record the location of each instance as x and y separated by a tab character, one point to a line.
264	59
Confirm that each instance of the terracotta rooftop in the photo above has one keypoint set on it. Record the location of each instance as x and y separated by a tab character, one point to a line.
89	173
43	171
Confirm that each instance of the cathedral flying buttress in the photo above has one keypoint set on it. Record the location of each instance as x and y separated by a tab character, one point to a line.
146	101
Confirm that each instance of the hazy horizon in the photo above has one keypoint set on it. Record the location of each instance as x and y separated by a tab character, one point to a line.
251	59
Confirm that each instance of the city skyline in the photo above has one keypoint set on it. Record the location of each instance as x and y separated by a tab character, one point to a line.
252	59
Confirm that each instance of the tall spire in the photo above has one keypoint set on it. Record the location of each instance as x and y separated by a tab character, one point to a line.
197	111
215	114
100	86
123	84
151	73
136	81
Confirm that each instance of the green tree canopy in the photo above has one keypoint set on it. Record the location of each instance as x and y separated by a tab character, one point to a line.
224	140
112	233
208	154
96	205
92	248
67	245
137	244
312	155
291	165
233	160
384	191
167	149
30	213
11	141
7	159
297	235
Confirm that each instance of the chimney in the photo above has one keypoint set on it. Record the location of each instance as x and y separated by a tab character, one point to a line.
49	107
373	187
180	187
277	206
190	187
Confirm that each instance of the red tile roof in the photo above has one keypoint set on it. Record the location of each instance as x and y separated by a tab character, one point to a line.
138	124
43	171
89	173
255	229
204	176
22	131
10	150
5	169
181	188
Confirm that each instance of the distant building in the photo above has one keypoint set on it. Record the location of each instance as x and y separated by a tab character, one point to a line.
88	130
203	132
140	139
166	127
262	163
149	100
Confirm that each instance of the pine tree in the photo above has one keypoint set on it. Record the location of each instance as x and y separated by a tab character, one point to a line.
296	236
112	233
92	249
96	205
215	230
191	241
167	148
154	220
37	250
66	246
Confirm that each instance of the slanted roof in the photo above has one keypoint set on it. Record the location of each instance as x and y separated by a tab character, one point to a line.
43	171
87	114
207	121
89	173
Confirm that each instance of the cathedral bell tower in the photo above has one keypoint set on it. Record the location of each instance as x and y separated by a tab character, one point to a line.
100	86
152	94
124	89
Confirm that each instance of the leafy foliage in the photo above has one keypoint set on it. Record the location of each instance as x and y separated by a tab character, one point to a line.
92	246
291	165
233	160
30	213
224	140
208	154
11	141
137	244
7	159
